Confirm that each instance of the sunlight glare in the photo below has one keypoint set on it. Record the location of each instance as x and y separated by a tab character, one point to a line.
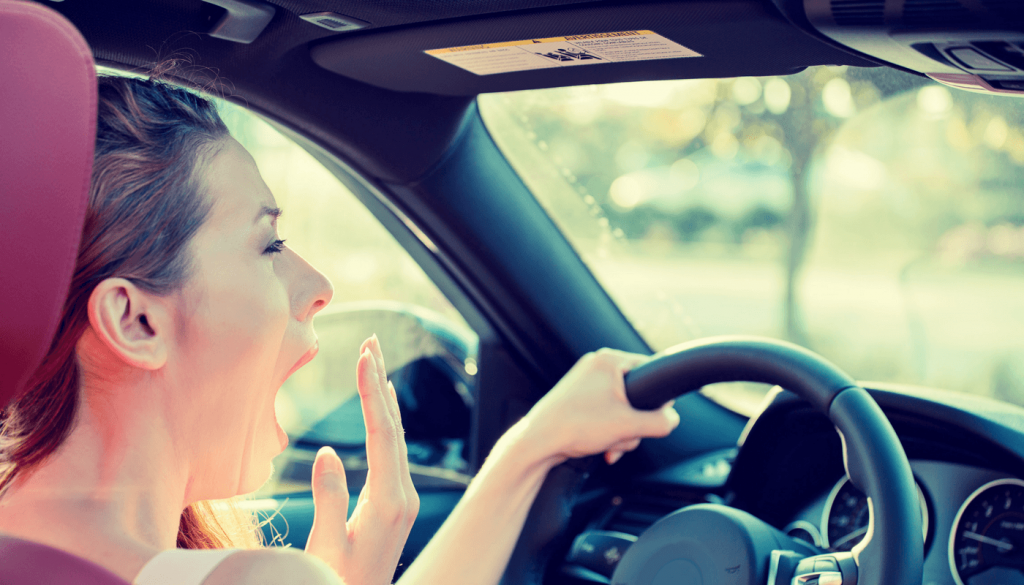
854	169
935	100
649	94
746	90
838	99
777	95
996	133
684	174
627	191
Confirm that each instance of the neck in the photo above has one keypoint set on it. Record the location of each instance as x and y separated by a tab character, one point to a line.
115	484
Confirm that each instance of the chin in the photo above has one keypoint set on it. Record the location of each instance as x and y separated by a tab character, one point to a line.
260	467
256	477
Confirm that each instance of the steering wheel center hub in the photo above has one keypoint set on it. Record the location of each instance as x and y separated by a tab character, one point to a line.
704	544
679	571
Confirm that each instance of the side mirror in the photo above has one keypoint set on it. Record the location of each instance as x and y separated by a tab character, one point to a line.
434	398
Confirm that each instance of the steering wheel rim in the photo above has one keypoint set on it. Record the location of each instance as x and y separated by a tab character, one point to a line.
893	551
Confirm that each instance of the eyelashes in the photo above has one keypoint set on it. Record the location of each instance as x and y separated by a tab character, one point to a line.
276	247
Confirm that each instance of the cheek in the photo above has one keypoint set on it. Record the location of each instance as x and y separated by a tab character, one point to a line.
231	352
245	325
234	347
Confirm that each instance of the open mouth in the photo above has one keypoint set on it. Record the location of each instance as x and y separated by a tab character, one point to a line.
305	359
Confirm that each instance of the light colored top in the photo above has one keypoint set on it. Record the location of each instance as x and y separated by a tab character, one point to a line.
181	567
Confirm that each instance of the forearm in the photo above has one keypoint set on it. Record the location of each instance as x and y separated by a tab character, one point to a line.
474	544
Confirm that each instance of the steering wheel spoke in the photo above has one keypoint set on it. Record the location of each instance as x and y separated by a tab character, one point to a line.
786	567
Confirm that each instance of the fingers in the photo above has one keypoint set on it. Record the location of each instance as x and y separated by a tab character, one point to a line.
366	548
616	451
403	450
330	493
626	361
399	486
382	434
391	397
657	423
374	346
625	445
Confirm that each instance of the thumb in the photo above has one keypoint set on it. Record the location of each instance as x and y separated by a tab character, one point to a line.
330	492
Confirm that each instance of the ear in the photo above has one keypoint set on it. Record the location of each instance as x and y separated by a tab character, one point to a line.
131	322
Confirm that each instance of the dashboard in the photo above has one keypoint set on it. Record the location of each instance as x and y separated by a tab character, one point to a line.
974	528
966	454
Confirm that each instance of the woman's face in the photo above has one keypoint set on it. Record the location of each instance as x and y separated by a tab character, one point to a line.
245	323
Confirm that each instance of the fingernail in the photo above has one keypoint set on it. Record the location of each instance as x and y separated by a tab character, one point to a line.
673	416
331	462
380	351
613	456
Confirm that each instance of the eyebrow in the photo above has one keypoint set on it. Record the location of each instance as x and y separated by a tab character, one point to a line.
273	212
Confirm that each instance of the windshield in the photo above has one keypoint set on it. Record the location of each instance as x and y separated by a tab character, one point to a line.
870	215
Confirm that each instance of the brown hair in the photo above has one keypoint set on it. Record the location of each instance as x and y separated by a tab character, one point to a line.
145	205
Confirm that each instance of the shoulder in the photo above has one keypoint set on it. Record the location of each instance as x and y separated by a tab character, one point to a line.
272	566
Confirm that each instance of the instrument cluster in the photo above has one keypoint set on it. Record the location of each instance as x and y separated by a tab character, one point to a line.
986	545
973	523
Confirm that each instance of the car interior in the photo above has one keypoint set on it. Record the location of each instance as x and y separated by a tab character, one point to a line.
497	148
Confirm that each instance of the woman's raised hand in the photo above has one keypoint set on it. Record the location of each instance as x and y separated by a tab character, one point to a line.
587	412
365	549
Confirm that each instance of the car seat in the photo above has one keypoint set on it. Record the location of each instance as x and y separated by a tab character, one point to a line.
47	135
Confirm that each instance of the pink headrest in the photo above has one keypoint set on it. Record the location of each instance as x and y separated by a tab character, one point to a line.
30	563
47	135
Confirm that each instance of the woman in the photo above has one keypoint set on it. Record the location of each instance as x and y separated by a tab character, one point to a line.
156	400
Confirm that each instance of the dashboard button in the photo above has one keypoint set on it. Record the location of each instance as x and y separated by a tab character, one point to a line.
825	565
600	550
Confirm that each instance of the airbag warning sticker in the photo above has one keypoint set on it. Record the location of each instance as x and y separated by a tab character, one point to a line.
525	55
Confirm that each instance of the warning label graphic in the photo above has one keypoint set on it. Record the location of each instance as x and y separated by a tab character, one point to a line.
569	55
570	51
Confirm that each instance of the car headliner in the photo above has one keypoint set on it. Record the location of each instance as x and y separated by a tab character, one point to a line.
391	109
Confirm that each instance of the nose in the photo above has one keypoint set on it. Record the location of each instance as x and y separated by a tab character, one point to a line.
311	290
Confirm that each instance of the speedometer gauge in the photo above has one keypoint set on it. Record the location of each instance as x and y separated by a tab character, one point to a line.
986	545
847	515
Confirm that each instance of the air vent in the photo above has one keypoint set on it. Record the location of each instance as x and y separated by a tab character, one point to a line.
859	12
333	21
936	12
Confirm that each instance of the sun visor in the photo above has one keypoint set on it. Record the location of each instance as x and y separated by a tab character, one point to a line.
977	45
579	45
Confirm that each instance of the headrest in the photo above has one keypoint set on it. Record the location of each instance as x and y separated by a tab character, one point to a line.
47	135
30	563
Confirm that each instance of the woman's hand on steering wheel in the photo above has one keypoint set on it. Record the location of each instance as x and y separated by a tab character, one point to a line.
587	412
365	549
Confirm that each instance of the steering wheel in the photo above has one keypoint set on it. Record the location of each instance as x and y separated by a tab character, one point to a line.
708	544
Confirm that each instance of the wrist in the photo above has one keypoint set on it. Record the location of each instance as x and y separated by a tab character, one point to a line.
529	445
